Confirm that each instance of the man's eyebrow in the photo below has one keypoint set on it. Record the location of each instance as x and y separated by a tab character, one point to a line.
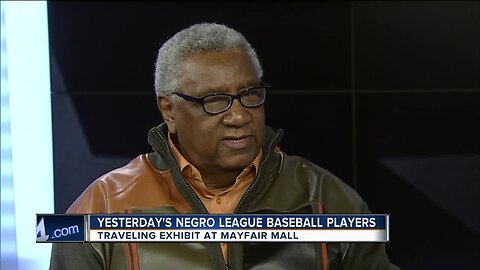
220	90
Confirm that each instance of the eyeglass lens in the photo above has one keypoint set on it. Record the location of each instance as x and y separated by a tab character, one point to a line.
219	103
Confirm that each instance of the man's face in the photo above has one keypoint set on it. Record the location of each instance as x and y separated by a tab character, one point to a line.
228	141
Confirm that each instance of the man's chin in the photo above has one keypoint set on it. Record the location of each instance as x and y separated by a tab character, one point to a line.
237	162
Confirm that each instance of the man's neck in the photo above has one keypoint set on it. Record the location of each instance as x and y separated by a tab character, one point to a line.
219	181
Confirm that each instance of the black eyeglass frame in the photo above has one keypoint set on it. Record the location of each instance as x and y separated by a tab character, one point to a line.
201	100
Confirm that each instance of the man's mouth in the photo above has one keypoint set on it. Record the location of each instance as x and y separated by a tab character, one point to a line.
238	142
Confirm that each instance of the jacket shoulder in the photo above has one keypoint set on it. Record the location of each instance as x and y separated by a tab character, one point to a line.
123	188
304	182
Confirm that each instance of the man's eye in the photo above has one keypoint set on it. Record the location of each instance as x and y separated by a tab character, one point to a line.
216	99
252	92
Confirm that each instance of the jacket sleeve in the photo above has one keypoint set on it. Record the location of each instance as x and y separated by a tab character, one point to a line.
370	256
75	256
366	256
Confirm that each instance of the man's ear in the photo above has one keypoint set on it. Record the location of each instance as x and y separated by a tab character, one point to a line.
165	105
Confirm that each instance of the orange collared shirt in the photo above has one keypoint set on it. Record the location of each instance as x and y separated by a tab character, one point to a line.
223	202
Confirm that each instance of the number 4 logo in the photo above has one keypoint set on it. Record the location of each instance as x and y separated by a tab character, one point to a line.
41	235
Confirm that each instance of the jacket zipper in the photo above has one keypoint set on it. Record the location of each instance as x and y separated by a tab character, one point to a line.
219	256
260	171
177	170
255	183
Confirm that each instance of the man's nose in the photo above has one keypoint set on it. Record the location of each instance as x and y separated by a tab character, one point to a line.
237	115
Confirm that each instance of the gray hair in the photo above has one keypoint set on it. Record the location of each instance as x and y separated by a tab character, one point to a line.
198	38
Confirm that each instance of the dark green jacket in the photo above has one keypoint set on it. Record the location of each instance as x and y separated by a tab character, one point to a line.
284	184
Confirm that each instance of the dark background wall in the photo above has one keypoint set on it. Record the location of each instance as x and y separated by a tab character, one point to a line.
386	95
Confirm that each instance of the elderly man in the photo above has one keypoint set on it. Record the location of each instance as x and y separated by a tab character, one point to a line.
214	154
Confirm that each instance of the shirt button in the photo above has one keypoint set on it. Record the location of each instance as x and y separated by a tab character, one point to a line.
218	200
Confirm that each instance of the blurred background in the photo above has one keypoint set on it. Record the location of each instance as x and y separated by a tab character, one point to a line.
385	95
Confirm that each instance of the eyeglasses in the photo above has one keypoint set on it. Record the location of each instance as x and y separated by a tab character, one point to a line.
218	103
